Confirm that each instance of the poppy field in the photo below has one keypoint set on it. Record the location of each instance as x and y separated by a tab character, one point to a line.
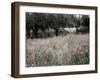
71	49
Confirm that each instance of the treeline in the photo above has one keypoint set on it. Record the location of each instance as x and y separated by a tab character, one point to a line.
48	23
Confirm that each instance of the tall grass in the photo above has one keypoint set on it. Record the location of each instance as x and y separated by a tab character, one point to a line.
72	49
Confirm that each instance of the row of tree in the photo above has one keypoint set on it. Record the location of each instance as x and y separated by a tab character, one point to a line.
45	21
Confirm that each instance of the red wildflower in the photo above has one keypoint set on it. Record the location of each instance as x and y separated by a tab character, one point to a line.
77	51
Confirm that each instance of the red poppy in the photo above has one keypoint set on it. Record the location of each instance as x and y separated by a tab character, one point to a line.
77	51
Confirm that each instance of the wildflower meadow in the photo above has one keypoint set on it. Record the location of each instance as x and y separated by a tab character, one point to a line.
71	49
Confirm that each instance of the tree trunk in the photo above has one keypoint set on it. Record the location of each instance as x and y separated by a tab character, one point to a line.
76	29
35	31
56	32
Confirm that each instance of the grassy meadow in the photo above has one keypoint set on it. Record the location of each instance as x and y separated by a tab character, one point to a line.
71	49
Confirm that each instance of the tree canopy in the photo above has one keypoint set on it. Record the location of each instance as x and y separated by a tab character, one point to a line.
45	21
